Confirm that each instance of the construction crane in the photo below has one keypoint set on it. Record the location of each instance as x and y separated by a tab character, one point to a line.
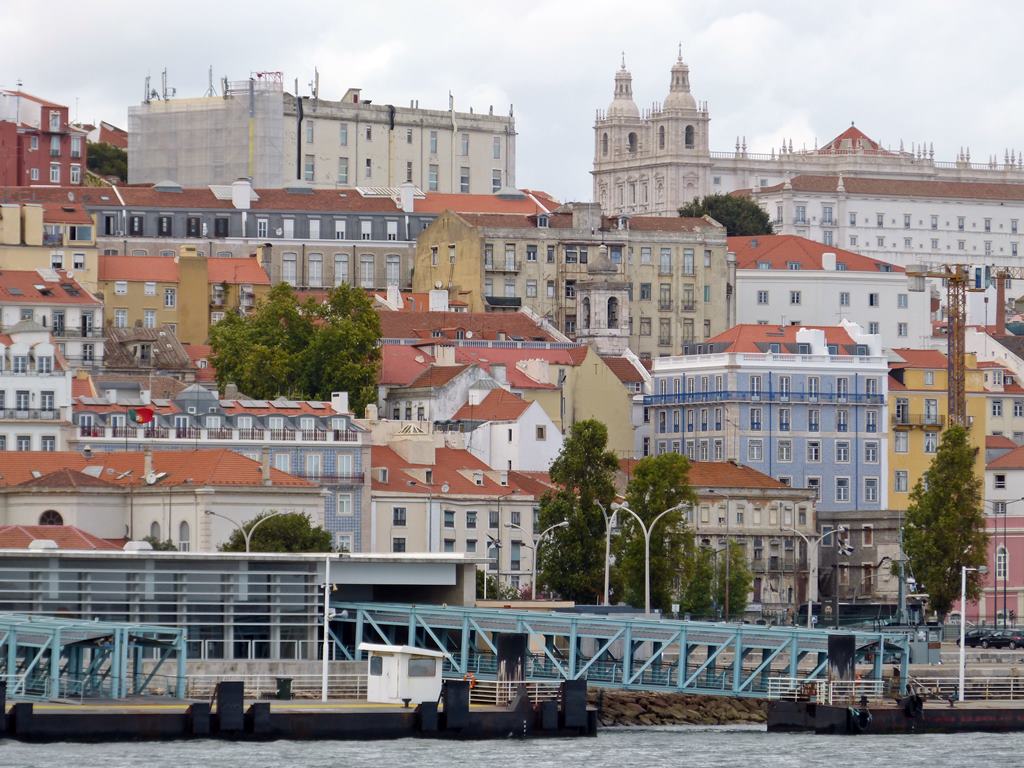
961	278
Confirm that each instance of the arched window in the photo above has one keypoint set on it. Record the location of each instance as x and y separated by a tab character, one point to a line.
154	531
631	142
604	144
688	137
1002	563
586	313
51	517
184	535
613	312
289	273
661	137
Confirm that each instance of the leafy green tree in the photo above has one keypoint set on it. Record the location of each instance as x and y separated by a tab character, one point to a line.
495	590
739	215
573	561
945	523
738	577
698	578
289	532
658	483
161	546
305	351
107	160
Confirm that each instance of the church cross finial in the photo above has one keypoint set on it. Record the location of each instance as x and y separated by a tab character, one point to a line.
623	59
680	51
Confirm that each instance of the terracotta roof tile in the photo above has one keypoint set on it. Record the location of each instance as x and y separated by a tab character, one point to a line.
437	202
401	364
1011	460
452	466
66	478
718	474
437	375
64	536
65	213
19	287
484	325
624	368
160	269
779	251
918	358
905	188
499	405
752	337
999	441
246	271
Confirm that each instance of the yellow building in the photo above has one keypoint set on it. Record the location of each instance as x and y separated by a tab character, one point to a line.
49	235
918	407
677	270
188	292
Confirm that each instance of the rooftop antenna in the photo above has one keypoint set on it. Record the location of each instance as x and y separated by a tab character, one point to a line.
209	83
146	92
165	92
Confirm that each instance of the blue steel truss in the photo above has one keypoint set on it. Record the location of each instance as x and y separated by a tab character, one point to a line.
633	653
47	658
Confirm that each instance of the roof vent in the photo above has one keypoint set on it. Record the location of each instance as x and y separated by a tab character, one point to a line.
138	546
167	186
45	544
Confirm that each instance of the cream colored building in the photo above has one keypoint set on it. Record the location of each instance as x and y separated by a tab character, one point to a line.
679	276
49	236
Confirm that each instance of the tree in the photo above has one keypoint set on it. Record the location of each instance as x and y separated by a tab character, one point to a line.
161	546
305	351
573	562
945	525
288	532
495	590
658	483
698	595
739	215
107	160
739	580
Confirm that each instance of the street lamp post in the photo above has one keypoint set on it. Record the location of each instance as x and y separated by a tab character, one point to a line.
647	544
246	534
812	564
609	521
728	548
963	622
536	551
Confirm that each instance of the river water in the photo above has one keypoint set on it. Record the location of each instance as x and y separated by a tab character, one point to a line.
744	747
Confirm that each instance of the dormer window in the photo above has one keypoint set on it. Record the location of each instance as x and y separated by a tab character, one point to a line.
774	348
542	222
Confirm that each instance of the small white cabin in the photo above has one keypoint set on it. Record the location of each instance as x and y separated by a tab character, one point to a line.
399	672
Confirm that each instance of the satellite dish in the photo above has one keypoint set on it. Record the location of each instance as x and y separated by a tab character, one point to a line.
70	274
437	284
71	196
151	478
279	231
469	334
445	487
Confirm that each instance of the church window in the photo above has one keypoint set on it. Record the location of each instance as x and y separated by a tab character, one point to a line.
631	142
613	312
688	136
604	144
661	137
586	313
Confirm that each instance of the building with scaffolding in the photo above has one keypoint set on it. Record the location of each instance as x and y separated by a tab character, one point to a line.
255	129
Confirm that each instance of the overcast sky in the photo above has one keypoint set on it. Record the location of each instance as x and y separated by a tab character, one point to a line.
931	71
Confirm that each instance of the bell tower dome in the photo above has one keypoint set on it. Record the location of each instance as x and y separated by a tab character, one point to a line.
679	96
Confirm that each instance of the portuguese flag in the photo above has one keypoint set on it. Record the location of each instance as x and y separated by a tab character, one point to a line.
141	415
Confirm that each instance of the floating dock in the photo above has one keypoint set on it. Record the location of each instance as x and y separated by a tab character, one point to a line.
908	715
229	716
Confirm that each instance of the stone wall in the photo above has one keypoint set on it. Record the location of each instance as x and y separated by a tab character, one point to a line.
643	708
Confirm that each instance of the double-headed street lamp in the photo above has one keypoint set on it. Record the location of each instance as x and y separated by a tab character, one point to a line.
536	551
647	545
246	534
812	564
963	621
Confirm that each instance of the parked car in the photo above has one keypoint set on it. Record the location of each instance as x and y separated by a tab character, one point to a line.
1011	638
975	637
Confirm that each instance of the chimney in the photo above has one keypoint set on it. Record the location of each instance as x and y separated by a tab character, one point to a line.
394	298
339	402
437	300
444	354
499	373
371	412
231	391
1000	305
406	197
475	396
265	465
241	194
828	262
147	463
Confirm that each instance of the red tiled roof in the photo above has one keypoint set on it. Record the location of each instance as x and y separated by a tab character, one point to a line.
216	467
905	188
563	220
201	353
412	301
624	368
999	441
38	99
112	135
66	478
484	325
499	405
65	213
19	287
779	251
160	269
718	474
919	358
852	140
246	271
1010	460
748	337
64	536
437	202
437	375
510	358
446	469
82	387
401	364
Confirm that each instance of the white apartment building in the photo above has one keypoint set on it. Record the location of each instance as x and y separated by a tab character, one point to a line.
35	390
790	280
903	221
53	299
654	159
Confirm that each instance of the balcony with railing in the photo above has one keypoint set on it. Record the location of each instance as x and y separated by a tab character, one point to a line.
53	238
688	307
918	420
664	341
502	265
72	332
727	395
30	414
201	434
665	305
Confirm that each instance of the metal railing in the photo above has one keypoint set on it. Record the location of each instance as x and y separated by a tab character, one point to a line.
215	433
263	686
723	395
975	688
501	692
918	420
33	414
824	691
